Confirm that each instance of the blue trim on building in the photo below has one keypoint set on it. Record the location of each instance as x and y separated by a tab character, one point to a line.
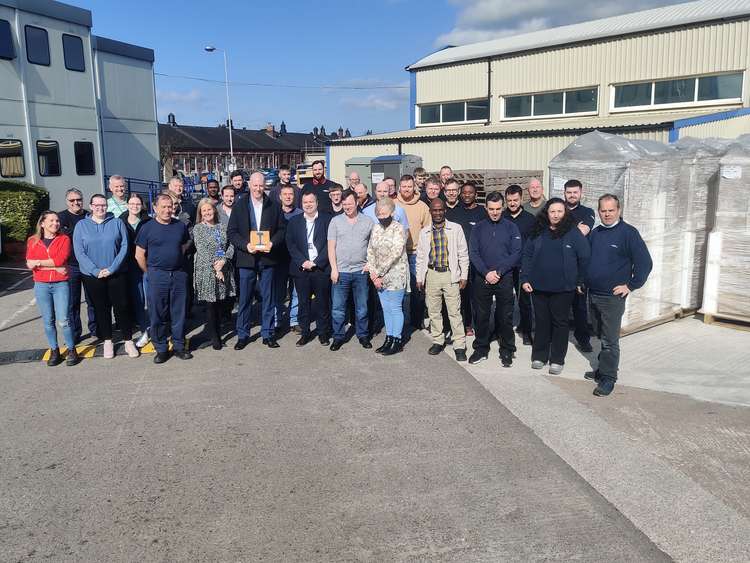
412	100
674	132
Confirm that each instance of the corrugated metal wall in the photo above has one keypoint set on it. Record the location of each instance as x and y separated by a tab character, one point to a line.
710	48
454	82
533	153
728	129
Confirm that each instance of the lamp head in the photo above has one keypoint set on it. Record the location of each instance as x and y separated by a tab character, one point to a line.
209	48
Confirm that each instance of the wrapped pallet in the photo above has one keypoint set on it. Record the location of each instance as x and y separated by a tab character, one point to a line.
644	175
727	283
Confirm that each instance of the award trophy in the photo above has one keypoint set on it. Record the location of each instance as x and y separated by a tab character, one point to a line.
260	239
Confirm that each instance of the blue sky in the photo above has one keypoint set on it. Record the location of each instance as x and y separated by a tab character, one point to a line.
314	43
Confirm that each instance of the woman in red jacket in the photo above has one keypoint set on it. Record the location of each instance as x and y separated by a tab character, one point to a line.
47	253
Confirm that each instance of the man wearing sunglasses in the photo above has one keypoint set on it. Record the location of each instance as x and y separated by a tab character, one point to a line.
68	221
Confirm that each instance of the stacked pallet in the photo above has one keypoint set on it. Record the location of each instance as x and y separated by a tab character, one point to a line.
493	180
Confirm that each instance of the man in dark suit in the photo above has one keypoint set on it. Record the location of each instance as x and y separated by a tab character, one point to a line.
256	212
307	242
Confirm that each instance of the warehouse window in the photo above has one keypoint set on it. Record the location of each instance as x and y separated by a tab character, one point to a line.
37	45
11	159
48	157
7	51
678	92
454	112
84	154
73	53
551	104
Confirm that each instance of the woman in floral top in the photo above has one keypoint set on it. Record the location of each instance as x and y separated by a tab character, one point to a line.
389	271
213	275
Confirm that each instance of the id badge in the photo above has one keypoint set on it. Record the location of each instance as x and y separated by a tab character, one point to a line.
220	253
309	246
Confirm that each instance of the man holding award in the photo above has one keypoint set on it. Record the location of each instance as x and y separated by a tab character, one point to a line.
256	229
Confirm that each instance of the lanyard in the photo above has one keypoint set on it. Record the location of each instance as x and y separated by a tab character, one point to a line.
217	236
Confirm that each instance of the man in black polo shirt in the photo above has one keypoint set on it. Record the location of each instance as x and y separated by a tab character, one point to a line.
467	214
68	221
160	252
320	186
525	222
494	251
585	217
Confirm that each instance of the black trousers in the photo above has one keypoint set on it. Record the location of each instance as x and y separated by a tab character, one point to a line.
502	291
214	313
107	294
551	316
467	297
524	304
316	283
581	318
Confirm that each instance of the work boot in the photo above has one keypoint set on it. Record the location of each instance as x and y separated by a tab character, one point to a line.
385	346
55	359
395	347
605	387
73	357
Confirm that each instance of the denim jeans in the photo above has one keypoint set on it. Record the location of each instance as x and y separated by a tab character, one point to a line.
393	313
263	276
607	311
167	301
284	316
52	299
356	284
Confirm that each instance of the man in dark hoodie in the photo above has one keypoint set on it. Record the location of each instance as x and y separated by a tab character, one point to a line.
620	263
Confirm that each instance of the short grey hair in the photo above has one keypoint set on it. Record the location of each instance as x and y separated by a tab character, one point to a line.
385	203
116	177
73	191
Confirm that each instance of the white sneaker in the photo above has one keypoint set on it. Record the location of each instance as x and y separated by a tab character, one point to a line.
555	369
536	364
143	340
131	349
109	349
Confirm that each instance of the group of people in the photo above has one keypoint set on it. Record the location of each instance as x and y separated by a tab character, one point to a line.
337	256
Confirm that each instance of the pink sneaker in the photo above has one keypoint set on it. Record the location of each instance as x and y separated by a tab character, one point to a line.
109	349
131	349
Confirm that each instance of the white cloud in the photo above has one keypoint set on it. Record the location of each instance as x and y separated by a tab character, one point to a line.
481	20
193	96
380	100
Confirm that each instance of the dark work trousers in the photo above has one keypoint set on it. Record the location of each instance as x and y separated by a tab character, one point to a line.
581	318
607	311
551	312
467	297
75	282
375	321
214	311
502	291
316	283
189	292
167	300
261	278
107	294
524	305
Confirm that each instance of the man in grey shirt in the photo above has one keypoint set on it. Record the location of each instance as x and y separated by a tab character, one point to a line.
348	236
536	197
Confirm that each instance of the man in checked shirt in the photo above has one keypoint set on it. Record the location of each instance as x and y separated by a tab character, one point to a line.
442	271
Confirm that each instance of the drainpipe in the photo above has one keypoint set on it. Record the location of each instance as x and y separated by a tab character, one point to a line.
489	91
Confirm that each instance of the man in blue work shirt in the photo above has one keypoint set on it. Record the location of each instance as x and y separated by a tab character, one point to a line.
494	251
585	217
620	263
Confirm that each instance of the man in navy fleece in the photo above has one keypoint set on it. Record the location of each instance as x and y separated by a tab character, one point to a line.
620	263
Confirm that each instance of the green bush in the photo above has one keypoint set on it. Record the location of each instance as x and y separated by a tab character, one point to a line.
21	204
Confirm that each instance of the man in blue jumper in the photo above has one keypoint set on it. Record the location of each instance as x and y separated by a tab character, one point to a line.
494	251
585	217
620	263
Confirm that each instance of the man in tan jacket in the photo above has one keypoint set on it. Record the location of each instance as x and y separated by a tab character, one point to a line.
442	270
418	215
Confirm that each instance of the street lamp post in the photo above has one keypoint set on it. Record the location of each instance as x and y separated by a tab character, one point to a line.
211	49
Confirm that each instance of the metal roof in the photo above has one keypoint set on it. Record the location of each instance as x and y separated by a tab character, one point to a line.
213	139
626	24
652	121
52	9
123	49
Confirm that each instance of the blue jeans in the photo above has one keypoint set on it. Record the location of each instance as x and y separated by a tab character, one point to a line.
167	301
282	283
356	284
137	287
263	276
393	313
52	299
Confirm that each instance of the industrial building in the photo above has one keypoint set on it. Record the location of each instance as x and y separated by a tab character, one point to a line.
74	107
516	102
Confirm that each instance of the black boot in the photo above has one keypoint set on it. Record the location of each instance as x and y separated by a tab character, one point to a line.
73	357
395	348
55	359
385	346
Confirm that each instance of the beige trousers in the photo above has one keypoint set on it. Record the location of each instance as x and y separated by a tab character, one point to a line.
438	287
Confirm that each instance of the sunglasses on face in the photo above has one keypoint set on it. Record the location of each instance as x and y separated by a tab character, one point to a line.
79	200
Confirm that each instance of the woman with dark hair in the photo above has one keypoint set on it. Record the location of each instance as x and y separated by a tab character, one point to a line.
134	218
554	264
47	253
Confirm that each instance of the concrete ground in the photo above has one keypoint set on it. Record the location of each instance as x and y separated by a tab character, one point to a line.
309	455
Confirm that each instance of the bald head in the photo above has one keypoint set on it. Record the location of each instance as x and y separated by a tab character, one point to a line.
536	191
382	190
257	185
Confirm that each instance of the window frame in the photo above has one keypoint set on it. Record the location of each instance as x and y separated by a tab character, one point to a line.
59	159
441	123
93	158
83	52
23	160
26	41
678	105
12	44
555	115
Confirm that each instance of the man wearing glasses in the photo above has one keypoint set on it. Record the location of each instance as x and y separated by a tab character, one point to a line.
68	221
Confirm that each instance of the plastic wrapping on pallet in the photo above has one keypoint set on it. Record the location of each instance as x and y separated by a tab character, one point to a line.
727	291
